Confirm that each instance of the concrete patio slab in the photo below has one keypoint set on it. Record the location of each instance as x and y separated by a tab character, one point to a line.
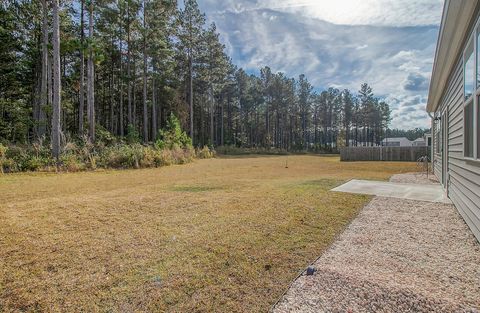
430	193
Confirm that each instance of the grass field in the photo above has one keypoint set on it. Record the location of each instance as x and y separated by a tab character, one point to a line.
219	235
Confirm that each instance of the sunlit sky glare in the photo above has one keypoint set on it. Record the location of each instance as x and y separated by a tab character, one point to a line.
338	43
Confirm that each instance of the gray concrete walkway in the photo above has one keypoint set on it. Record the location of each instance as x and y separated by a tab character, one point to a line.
431	193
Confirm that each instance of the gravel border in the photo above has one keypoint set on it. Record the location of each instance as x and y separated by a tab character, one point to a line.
415	178
397	256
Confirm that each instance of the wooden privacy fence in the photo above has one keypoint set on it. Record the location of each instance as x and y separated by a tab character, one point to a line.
383	153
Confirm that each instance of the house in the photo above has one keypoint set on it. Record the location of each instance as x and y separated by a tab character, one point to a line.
353	143
419	142
396	142
453	104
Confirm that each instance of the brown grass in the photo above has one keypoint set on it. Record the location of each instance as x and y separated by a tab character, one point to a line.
220	235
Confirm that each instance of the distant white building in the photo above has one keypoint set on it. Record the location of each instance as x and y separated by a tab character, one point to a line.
428	139
419	142
396	142
361	144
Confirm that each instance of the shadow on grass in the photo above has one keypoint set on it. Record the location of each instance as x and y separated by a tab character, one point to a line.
255	155
323	184
195	188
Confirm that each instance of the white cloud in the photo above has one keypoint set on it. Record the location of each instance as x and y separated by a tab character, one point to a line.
364	12
395	60
408	111
346	12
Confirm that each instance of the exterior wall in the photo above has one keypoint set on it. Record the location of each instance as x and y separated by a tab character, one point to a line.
463	180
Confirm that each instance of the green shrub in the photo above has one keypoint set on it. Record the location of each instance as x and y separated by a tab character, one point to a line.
173	135
190	153
149	157
24	158
205	153
14	152
72	163
165	158
132	134
35	163
3	156
8	166
234	150
122	156
79	155
87	154
106	138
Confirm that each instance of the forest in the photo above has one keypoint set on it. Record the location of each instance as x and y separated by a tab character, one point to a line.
112	72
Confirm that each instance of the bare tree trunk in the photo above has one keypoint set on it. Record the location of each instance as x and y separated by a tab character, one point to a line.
36	94
50	80
222	142
154	106
129	79
212	111
112	98
145	108
134	98
120	113
190	70
44	80
90	78
111	85
81	105
56	83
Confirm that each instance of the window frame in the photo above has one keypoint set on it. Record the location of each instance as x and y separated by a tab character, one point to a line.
437	134
474	97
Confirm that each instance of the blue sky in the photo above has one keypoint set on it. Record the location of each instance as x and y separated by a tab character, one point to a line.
338	43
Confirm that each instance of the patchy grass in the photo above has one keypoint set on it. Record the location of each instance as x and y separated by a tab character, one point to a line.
195	188
169	239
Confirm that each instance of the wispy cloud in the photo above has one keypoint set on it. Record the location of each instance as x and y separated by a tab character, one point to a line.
390	45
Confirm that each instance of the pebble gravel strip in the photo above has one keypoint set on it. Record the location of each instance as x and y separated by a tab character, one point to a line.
396	256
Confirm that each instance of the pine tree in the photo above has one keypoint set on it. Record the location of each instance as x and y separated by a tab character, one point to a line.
56	128
190	26
348	107
91	75
81	97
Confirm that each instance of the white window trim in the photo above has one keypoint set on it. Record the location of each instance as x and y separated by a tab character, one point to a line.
475	95
437	134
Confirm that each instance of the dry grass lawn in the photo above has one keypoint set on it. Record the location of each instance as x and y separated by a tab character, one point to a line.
219	235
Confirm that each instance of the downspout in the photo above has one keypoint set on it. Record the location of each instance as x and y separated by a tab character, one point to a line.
432	146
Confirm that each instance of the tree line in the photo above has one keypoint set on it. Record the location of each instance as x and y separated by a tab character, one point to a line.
70	68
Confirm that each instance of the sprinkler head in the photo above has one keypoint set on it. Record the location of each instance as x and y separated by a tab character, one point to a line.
311	270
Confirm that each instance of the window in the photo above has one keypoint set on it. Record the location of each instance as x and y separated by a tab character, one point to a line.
478	129
468	72
471	96
393	144
437	135
468	130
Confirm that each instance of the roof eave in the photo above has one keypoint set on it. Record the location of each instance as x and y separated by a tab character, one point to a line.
453	29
